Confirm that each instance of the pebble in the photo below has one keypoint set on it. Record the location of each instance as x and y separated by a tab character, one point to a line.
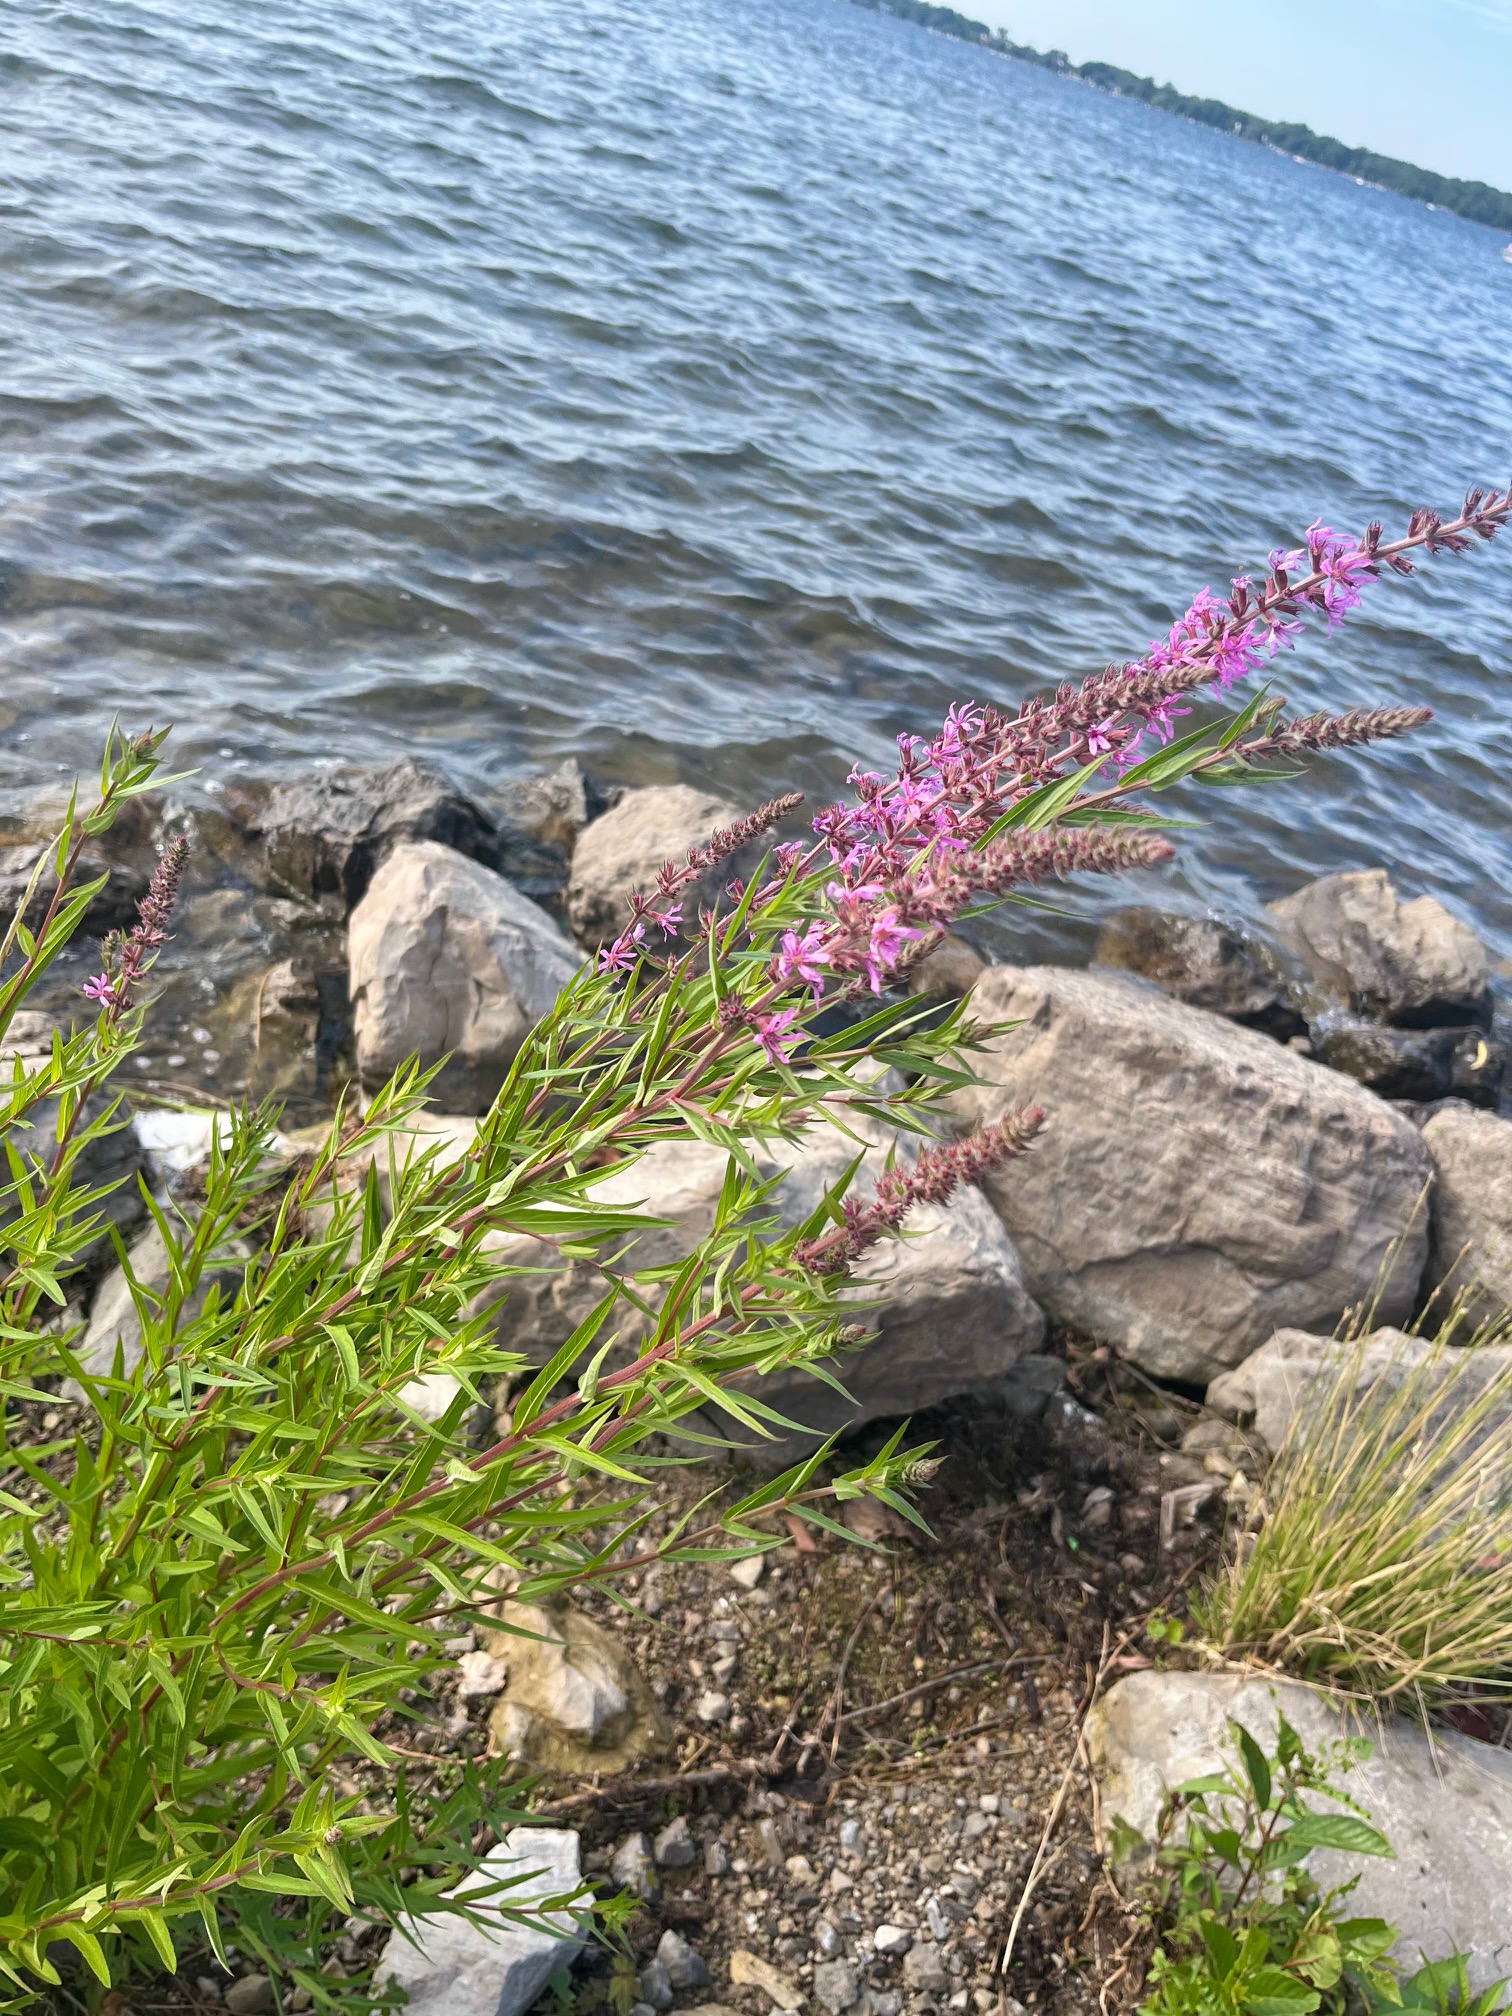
749	1970
683	1967
892	1939
826	1939
836	1987
850	1833
633	1868
989	1802
480	1674
749	1571
924	1970
716	1859
656	1985
839	1882
250	1996
712	1707
674	1847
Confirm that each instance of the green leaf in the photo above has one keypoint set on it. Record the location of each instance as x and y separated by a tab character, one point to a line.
1344	1831
1256	1768
1221	1945
1270	1991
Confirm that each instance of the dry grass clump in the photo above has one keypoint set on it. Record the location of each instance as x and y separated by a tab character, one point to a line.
1383	1560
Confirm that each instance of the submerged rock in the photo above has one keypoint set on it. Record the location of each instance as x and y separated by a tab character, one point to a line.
1363	948
452	1968
1470	1247
623	850
324	835
446	957
1444	1803
1204	962
113	909
1197	1187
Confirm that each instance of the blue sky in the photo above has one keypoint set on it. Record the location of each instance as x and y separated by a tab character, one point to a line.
1427	80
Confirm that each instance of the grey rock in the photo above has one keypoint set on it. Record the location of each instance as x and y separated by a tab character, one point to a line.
324	835
248	1995
1364	948
1278	1389
633	1867
716	1860
684	1968
538	820
1415	1064
109	1163
1470	1246
655	1986
113	909
623	850
951	969
1445	1805
446	957
1197	1187
892	1939
1031	1383
1206	963
924	1970
675	1847
836	1987
457	1969
712	1706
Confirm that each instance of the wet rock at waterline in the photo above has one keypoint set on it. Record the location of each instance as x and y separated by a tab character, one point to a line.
445	956
1471	1213
113	909
1420	1065
324	835
448	1967
1444	1803
573	1699
947	972
1363	948
1204	962
1197	1186
623	850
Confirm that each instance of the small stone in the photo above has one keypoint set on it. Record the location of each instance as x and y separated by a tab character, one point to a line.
723	1671
249	1996
684	1968
836	1987
656	1985
208	1987
924	1970
455	1647
975	1826
749	1571
826	1940
1133	1565
716	1859
748	1970
939	1924
633	1868
989	1802
892	1939
839	1882
1097	1509
883	2001
960	2000
675	1847
850	1833
712	1707
642	2009
800	1871
479	1675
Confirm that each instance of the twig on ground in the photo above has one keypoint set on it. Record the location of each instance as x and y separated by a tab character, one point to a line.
944	1679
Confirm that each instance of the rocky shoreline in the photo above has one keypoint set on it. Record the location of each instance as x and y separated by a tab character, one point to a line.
1250	1136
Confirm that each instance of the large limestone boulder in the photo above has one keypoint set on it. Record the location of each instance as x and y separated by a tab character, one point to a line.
1198	1187
623	850
952	1312
1445	1805
1471	1243
448	1967
1204	962
573	1699
1279	1388
1365	949
446	957
324	835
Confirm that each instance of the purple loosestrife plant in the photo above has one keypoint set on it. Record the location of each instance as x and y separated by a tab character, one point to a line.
234	1573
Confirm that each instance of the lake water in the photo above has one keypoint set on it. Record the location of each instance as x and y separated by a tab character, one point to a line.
708	391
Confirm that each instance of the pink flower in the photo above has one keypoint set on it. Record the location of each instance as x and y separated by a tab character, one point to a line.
620	957
776	1035
803	958
102	989
669	919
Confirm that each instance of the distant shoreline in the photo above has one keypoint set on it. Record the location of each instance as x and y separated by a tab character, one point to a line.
1476	201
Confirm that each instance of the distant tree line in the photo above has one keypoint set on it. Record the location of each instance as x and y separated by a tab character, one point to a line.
1475	200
